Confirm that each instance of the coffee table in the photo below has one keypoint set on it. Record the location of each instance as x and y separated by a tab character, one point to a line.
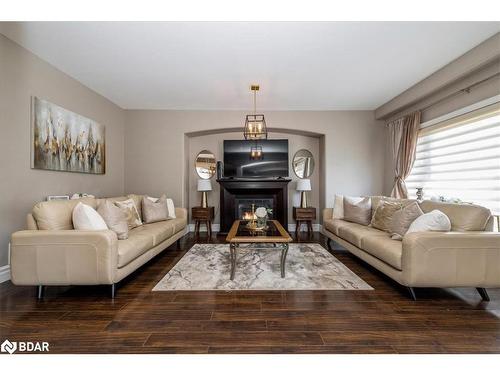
274	237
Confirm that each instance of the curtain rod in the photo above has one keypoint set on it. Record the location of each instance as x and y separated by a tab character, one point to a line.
461	91
455	93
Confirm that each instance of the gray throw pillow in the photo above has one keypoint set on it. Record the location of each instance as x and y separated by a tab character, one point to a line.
115	218
154	211
358	210
402	219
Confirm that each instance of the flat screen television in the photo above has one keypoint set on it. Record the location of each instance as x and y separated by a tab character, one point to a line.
239	164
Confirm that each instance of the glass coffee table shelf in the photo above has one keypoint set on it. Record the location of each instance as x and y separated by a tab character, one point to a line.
273	237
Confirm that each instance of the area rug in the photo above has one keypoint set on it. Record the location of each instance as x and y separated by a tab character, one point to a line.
308	267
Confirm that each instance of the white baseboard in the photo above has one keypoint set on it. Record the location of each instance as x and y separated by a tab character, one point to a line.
4	273
203	228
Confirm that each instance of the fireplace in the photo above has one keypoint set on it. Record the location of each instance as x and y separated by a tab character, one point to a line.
238	195
243	206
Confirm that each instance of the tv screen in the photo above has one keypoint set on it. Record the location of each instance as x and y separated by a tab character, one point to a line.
273	163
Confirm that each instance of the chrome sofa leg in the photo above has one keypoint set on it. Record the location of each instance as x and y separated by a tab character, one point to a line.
113	291
39	291
329	244
483	293
412	293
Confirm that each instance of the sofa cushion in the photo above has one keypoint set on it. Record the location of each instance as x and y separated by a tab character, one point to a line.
333	225
354	233
57	215
160	231
463	217
384	248
138	243
179	224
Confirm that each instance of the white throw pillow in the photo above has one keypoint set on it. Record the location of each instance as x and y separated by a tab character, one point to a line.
434	221
86	218
170	206
338	207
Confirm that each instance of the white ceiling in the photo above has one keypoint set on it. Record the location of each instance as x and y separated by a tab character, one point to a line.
302	66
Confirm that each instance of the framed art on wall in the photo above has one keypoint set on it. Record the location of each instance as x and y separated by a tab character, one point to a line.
63	140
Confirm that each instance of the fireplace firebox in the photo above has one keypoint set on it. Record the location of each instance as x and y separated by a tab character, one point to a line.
237	197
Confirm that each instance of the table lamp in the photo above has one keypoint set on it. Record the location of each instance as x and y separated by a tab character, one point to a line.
204	186
303	186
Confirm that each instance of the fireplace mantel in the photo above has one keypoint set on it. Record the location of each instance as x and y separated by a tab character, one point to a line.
231	189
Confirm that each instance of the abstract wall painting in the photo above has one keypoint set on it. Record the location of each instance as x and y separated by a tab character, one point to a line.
66	141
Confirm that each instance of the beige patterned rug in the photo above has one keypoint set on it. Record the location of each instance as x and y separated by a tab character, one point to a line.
308	267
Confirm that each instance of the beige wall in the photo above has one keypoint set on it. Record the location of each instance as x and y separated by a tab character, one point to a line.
155	142
214	143
22	75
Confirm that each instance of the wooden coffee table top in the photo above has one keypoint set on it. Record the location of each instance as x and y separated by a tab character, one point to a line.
241	234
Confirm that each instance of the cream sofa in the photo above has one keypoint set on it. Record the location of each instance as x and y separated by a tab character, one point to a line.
468	256
52	252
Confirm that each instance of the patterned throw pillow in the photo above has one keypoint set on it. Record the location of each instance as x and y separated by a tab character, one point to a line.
382	217
133	218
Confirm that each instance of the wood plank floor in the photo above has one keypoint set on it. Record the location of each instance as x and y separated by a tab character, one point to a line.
384	320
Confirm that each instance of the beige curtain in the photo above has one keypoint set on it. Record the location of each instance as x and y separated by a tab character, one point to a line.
403	138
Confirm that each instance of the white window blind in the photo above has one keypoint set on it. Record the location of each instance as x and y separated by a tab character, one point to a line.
460	158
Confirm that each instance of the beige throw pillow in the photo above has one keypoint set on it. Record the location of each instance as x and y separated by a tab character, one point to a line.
128	206
154	210
402	219
358	210
115	218
382	217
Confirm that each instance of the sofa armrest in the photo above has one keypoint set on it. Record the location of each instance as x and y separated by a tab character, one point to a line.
327	214
180	213
451	259
63	257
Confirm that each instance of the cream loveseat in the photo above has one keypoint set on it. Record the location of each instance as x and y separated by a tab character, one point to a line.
468	256
51	252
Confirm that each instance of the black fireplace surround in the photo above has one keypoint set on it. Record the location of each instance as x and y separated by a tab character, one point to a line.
237	193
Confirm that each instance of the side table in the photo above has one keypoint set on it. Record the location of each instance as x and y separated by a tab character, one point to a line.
304	216
203	215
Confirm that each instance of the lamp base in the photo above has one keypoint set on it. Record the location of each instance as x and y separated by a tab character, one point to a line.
303	199
204	199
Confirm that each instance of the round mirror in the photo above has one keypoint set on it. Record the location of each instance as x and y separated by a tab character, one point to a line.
205	164
303	163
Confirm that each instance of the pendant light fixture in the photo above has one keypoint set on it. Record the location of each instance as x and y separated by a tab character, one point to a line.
255	124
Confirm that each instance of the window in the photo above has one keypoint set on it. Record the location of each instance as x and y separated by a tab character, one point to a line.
460	159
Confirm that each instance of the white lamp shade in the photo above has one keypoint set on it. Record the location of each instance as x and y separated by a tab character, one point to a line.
204	185
304	185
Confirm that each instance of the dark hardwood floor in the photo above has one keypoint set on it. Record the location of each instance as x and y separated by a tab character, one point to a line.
384	320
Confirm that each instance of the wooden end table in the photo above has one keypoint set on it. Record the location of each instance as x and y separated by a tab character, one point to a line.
203	215
304	216
274	237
